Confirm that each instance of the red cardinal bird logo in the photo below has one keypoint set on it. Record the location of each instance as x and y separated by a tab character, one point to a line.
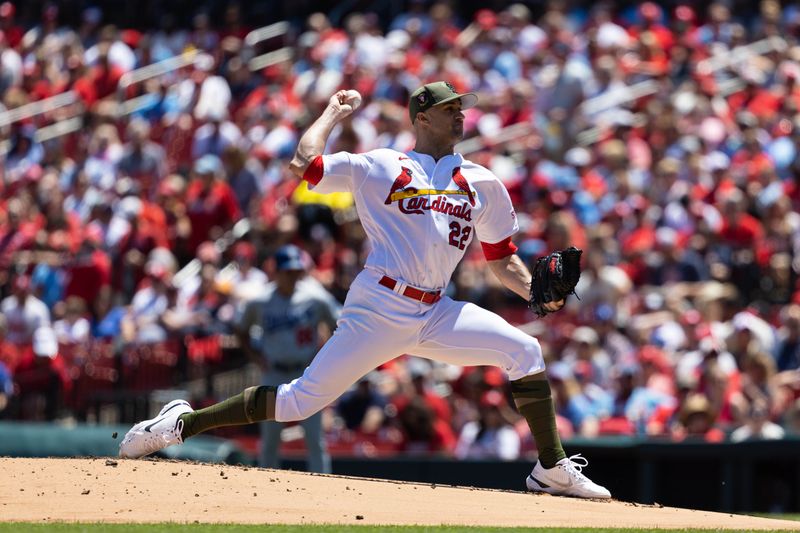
400	182
461	181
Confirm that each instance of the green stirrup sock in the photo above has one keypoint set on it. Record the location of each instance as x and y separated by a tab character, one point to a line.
251	405
535	402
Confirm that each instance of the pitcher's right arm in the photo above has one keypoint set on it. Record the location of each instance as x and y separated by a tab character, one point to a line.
312	143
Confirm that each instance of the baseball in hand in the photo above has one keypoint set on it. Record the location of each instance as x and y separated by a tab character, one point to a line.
353	98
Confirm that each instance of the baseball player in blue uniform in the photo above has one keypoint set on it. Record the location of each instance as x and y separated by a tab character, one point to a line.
420	210
281	332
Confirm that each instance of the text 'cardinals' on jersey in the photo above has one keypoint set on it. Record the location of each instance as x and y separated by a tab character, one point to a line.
414	208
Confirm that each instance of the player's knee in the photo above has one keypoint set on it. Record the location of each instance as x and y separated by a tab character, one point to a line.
296	405
527	360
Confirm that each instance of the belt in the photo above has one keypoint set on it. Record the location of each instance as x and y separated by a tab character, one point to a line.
426	297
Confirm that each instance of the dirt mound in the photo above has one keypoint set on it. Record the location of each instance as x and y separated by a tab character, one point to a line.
147	490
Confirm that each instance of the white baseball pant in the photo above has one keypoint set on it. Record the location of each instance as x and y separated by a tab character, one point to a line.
377	325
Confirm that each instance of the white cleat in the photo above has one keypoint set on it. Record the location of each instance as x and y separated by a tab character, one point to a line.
157	433
565	479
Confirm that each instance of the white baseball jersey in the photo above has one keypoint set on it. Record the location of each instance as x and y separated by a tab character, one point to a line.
420	214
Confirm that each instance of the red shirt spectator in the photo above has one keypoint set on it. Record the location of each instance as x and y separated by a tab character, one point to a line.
90	274
13	33
86	90
105	77
210	202
16	233
761	102
36	373
35	85
41	371
743	231
9	355
651	13
751	162
422	431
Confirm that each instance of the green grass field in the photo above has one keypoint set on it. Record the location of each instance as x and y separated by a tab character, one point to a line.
795	517
16	527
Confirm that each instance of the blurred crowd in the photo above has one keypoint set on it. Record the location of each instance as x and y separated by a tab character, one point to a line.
662	139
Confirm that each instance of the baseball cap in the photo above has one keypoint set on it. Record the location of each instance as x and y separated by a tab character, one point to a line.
289	257
439	92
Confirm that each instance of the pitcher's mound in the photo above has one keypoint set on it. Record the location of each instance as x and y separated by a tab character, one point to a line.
148	490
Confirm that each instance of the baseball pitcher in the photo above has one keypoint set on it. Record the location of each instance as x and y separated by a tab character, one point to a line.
420	210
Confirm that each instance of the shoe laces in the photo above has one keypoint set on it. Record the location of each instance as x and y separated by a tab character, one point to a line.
575	465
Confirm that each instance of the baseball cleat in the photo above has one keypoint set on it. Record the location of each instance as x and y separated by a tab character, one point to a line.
565	479
157	433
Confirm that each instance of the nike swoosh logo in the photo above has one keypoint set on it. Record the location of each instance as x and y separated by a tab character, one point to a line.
543	485
557	485
147	428
150	426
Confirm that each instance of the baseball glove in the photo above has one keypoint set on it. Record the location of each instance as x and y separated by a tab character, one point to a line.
554	278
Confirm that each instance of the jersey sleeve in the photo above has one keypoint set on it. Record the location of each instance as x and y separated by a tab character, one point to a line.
339	172
498	220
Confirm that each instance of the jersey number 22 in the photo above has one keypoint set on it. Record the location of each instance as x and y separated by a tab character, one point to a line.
459	235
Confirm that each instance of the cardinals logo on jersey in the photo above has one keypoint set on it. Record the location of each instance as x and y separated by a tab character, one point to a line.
413	201
461	182
400	183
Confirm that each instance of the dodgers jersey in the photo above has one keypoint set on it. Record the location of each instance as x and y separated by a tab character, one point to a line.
419	214
285	329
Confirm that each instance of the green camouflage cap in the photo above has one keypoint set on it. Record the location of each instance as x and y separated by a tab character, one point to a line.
436	93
